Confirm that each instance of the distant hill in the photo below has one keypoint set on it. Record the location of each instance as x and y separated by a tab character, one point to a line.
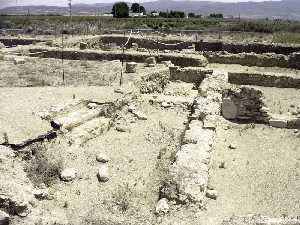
285	9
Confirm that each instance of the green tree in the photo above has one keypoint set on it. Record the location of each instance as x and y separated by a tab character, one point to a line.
120	10
137	8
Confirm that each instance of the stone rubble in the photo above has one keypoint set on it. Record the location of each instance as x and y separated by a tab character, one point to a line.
69	174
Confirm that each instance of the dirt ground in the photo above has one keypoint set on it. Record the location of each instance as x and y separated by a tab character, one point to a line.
260	175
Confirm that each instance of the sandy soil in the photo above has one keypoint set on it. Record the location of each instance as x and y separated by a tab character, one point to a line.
255	69
261	175
281	100
19	107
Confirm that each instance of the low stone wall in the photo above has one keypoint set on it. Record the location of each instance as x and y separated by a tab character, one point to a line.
249	59
258	48
147	43
266	80
244	103
294	60
179	60
10	42
189	74
189	173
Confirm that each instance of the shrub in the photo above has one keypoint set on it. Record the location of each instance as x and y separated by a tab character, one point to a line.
42	168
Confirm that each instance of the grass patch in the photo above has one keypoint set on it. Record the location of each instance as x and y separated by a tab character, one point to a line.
42	167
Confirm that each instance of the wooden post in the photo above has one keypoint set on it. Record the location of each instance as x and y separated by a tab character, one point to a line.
62	56
123	51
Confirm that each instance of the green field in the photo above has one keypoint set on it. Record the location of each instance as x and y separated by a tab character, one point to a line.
282	31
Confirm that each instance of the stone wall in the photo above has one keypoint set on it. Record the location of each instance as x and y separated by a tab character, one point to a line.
147	43
244	103
294	60
189	74
250	59
10	42
178	60
189	174
266	80
258	48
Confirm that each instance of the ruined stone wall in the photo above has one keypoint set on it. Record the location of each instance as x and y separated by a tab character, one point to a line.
147	43
189	74
244	103
294	60
258	48
249	59
10	42
179	60
189	173
266	80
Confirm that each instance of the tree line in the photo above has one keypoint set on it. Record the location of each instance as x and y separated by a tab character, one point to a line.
121	10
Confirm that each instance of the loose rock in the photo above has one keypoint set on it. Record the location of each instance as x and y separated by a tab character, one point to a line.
213	194
4	218
68	174
139	115
131	67
92	105
103	158
162	206
150	61
166	105
83	45
103	174
222	165
40	194
122	128
232	146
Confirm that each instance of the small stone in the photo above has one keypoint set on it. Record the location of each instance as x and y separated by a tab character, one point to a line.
83	45
229	109
18	61
165	105
22	209
92	105
150	61
103	158
103	174
212	194
119	91
4	218
122	128
222	165
139	115
68	174
162	206
131	108
232	146
40	194
278	122
131	67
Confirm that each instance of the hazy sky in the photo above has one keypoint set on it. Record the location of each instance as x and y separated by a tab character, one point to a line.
5	3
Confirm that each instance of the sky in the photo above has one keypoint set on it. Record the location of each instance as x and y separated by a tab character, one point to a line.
6	3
